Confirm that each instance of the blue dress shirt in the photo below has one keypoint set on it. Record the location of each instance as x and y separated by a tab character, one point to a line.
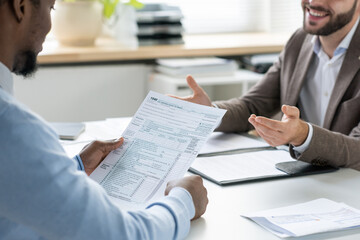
43	195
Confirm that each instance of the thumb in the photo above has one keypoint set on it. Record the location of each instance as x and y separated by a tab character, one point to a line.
193	85
173	96
112	145
290	111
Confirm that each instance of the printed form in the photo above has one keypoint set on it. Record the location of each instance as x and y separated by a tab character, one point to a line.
161	141
317	216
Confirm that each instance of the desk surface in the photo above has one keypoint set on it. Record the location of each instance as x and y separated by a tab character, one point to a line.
222	219
230	44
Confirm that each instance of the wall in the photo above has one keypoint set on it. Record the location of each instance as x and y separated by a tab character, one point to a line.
204	16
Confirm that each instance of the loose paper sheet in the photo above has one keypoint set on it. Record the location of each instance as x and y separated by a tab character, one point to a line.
321	215
161	142
222	142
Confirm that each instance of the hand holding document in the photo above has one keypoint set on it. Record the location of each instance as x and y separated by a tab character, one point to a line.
161	141
321	215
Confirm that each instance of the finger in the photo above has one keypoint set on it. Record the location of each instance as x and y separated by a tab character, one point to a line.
86	146
264	122
169	186
270	123
290	111
167	190
251	120
269	139
252	116
110	146
274	138
193	85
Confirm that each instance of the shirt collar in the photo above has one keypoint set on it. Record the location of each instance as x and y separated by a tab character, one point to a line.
6	79
344	44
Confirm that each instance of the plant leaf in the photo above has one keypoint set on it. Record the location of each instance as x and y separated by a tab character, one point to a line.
136	4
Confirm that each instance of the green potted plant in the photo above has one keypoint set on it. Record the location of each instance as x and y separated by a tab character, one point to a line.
79	22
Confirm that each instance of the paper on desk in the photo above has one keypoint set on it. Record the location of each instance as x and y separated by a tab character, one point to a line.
192	62
321	215
243	166
161	142
111	128
222	142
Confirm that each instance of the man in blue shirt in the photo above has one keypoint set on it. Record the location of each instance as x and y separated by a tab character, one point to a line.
46	195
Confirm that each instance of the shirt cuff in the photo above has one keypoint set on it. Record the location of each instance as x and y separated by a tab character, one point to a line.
180	204
80	163
302	148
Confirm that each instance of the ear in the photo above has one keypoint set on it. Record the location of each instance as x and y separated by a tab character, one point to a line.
19	9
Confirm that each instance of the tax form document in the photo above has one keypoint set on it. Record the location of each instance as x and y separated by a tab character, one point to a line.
161	141
320	215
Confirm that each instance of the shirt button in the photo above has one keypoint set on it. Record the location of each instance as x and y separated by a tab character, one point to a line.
326	94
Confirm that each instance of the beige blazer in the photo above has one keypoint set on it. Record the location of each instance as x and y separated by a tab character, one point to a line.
338	142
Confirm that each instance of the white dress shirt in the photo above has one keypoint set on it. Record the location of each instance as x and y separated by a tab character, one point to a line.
319	83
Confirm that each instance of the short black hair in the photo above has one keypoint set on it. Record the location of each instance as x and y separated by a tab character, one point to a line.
35	2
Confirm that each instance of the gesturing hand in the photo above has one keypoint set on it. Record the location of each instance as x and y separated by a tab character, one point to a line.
199	95
93	154
291	129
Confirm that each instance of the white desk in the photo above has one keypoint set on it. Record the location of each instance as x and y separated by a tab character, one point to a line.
222	219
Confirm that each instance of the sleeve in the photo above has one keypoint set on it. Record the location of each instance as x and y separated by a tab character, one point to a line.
179	203
43	190
80	164
264	99
300	149
332	148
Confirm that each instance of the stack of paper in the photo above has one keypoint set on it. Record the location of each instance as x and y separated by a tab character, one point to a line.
224	142
180	67
321	215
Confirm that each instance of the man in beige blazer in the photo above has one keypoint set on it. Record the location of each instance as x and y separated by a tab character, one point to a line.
318	72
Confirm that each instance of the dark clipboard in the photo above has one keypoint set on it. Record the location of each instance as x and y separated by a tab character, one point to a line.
292	169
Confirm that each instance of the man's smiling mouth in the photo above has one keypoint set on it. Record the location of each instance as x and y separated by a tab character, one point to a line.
316	13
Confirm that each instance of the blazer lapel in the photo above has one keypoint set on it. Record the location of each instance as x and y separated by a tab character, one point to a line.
348	70
305	57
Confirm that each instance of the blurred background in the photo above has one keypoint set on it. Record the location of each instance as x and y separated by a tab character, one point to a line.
102	57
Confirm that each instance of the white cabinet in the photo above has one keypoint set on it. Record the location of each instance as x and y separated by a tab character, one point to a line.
84	93
217	87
